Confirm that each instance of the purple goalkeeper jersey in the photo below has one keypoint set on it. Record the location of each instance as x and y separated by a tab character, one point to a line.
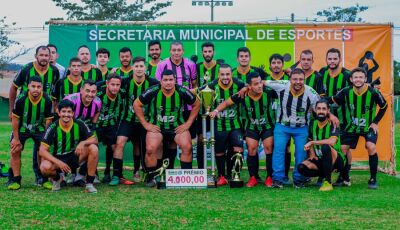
82	112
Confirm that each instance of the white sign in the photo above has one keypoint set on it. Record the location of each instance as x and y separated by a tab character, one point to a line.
186	178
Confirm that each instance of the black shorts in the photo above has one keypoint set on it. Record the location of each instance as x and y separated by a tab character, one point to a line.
224	139
259	135
23	137
132	130
351	139
107	135
70	159
338	166
192	128
168	135
199	125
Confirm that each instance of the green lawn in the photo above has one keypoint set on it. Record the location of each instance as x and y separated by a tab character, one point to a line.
137	207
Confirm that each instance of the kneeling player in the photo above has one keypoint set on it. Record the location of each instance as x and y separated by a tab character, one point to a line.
66	143
325	154
166	102
259	123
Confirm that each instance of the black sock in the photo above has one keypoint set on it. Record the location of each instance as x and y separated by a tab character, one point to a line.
117	166
171	155
373	165
257	166
186	165
288	159
10	174
268	162
151	174
220	165
326	162
17	179
90	179
109	157
57	176
251	164
200	155
346	171
83	169
136	163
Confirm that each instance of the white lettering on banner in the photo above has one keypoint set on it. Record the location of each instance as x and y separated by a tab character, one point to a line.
220	34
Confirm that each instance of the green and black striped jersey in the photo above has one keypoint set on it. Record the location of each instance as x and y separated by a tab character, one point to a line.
105	74
32	115
318	131
360	108
229	118
49	77
64	141
258	112
201	71
124	74
65	87
282	76
314	80
167	111
151	70
243	76
133	90
111	109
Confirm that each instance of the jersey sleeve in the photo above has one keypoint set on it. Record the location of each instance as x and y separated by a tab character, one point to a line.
56	75
239	83
339	98
99	75
314	96
153	81
335	131
55	93
48	108
84	131
262	73
270	92
146	97
187	96
277	85
310	131
49	135
192	67
236	98
379	99
20	78
159	70
18	107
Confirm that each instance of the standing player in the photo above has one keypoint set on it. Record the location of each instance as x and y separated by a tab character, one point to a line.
154	50
166	121
243	58
361	101
260	120
113	103
228	124
89	72
313	79
40	67
66	143
130	128
53	59
323	146
185	73
209	68
335	78
70	84
31	115
296	101
102	58
125	58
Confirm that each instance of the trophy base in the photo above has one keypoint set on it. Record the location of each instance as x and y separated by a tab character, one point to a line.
161	185
236	183
211	182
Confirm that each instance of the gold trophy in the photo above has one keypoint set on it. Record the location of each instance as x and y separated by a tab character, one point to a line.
207	98
160	173
236	182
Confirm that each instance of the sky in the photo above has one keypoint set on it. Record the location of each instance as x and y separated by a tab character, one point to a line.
32	17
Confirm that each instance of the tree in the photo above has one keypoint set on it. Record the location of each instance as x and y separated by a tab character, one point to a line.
339	14
396	77
113	10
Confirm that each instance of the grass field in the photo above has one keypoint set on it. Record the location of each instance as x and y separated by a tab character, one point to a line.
136	207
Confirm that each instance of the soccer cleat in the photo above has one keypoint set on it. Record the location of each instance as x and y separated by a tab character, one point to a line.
326	186
47	185
56	185
38	182
14	186
151	183
106	179
136	177
222	181
298	185
96	180
125	181
79	183
372	184
319	182
268	182
90	188
277	184
69	179
114	181
341	183
252	182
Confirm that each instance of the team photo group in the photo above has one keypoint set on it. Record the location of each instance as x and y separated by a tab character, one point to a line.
317	116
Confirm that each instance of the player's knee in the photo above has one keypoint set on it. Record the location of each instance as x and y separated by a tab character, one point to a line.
93	151
268	149
252	150
45	168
